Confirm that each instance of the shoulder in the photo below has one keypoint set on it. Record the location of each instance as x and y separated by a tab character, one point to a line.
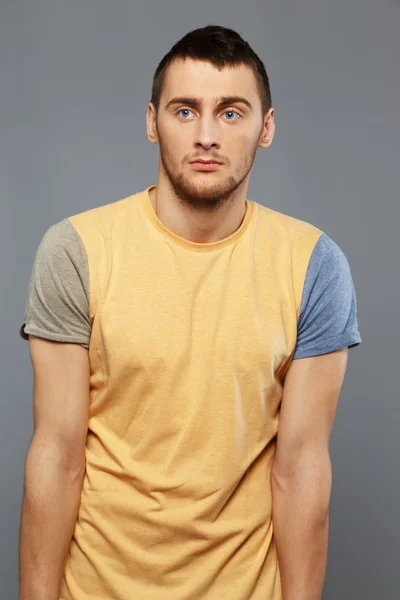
294	237
60	242
288	223
328	262
103	217
290	242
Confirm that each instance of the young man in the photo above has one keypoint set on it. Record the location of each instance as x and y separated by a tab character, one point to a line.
189	347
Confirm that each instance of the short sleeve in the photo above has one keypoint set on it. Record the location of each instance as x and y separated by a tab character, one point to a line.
328	312
57	303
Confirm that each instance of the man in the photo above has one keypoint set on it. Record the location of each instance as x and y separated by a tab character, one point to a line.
189	346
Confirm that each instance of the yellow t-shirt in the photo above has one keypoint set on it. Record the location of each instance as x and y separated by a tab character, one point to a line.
189	347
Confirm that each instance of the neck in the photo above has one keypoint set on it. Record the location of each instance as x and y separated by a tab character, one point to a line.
195	225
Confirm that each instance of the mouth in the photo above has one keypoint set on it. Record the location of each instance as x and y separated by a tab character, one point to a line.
201	165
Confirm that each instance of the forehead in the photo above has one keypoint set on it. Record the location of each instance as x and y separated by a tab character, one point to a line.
201	79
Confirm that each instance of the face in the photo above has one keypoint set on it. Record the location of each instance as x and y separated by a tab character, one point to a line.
206	113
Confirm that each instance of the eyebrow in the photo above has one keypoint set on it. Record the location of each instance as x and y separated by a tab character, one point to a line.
221	101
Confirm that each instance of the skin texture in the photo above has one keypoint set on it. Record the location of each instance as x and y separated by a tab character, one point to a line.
55	465
302	475
197	205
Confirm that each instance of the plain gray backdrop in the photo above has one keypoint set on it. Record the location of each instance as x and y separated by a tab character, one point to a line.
74	87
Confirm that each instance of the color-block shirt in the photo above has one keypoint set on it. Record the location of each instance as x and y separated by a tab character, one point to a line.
189	344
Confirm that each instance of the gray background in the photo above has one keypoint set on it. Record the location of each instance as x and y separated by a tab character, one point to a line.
75	82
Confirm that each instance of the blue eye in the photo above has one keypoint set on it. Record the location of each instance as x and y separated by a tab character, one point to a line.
233	112
184	110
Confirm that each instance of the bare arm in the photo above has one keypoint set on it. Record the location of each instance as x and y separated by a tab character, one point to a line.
55	465
302	475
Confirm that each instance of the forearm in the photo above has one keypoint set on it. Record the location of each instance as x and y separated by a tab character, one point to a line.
301	527
50	506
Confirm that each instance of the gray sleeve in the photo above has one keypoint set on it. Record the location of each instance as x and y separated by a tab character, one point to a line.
328	312
57	303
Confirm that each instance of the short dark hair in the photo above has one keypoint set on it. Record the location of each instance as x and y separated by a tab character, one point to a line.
221	47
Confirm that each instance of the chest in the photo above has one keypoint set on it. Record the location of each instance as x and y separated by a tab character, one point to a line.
221	314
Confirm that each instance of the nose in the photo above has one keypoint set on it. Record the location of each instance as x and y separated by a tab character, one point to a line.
207	133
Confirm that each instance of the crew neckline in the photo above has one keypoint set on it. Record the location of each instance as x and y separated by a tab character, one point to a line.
183	242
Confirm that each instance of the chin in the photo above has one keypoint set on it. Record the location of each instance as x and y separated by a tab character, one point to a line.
207	189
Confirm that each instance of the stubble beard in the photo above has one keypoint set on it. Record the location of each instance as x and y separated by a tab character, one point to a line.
205	194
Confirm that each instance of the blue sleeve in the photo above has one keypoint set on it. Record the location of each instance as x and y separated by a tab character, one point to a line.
328	311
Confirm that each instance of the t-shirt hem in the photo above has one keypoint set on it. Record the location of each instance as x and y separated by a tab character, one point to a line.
55	337
346	340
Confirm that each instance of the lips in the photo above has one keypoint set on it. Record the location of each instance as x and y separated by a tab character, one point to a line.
200	165
206	162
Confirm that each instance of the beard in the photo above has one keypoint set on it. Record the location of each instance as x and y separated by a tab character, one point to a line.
205	193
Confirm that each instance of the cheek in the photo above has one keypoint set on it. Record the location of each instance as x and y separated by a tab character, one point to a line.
242	144
175	141
170	132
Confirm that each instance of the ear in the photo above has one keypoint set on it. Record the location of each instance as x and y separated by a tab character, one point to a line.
267	134
151	123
